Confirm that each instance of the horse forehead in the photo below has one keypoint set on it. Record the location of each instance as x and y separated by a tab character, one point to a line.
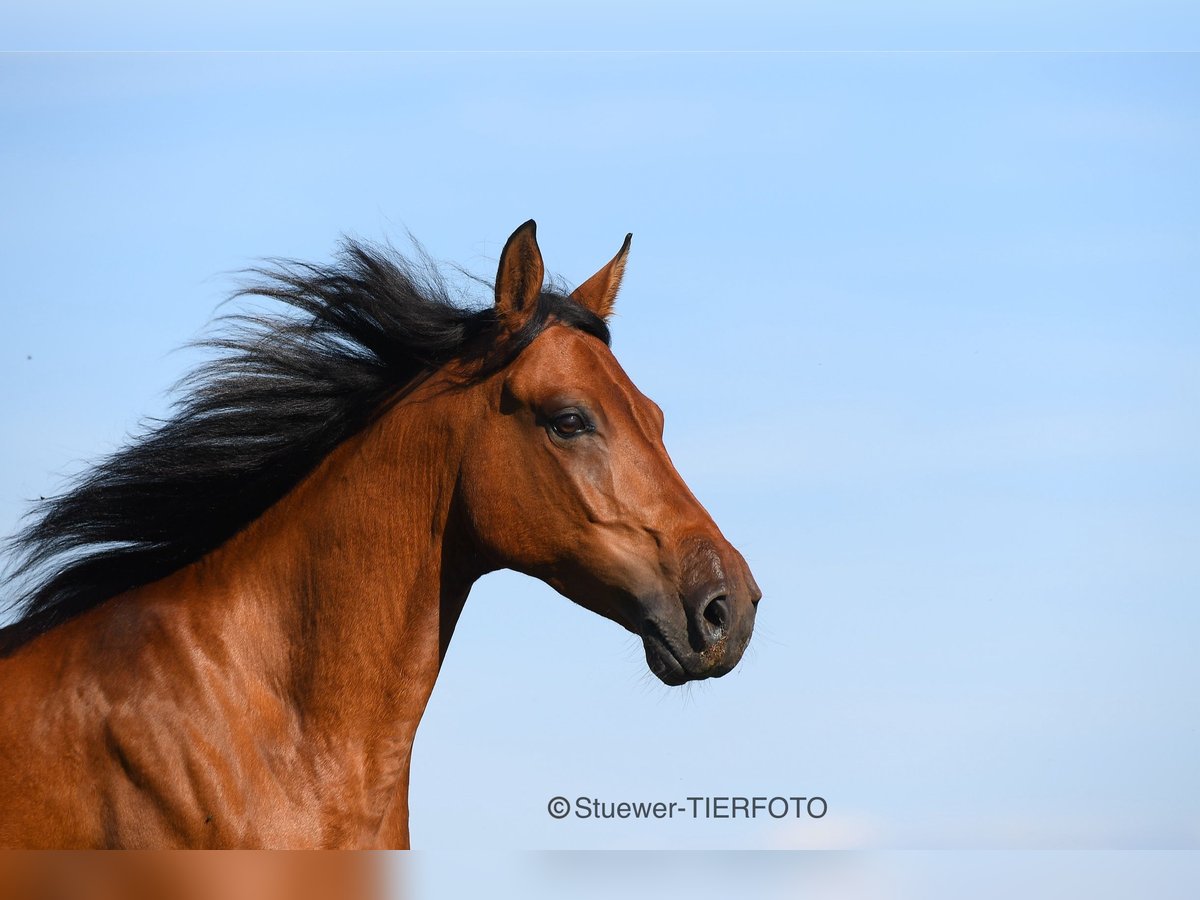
564	357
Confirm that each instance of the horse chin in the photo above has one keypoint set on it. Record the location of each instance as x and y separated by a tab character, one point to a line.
664	662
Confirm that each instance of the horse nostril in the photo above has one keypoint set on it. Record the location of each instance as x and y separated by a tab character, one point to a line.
716	614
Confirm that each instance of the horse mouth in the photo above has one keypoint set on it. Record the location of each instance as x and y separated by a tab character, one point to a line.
662	660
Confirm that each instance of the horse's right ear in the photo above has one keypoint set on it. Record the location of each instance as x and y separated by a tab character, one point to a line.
519	278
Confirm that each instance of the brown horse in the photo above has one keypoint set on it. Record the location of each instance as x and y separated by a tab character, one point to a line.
235	622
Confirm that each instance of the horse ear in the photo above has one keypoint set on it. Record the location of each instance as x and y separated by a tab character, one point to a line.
519	278
599	292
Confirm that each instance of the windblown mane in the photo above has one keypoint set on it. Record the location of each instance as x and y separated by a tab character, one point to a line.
284	390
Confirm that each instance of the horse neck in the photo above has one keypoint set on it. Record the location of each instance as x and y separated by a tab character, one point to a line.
348	589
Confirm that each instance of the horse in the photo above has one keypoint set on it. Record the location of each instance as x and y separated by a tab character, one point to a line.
235	622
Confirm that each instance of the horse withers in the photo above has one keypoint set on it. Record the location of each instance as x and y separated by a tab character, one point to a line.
235	622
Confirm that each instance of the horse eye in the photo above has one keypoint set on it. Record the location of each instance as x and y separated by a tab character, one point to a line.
569	424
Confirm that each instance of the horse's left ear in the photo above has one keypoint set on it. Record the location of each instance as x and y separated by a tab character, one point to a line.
599	292
519	278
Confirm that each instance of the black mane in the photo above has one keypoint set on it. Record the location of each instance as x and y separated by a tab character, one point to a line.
283	392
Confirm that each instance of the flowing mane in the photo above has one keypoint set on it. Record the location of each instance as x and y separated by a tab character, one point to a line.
283	392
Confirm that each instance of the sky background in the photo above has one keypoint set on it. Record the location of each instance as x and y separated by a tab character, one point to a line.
589	25
925	331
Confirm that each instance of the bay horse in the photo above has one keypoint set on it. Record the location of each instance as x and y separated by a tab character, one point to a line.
236	621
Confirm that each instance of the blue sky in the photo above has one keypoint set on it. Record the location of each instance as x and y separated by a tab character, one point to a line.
627	24
924	327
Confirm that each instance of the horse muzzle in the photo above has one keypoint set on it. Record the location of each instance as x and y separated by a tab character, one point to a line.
704	633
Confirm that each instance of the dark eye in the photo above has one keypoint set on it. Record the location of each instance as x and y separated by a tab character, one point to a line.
569	424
